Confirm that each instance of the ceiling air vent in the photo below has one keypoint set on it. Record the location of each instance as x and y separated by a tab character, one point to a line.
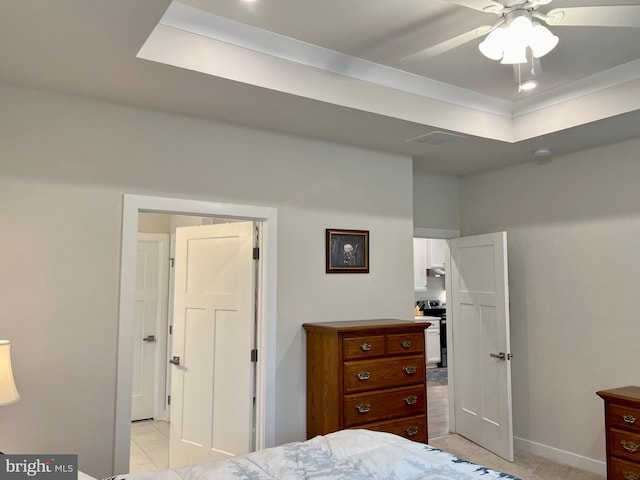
437	138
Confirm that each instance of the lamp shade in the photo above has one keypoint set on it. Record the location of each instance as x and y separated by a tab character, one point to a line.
8	392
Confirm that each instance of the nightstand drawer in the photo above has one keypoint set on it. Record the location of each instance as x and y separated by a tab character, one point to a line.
624	444
405	343
383	373
363	347
624	418
413	428
623	470
372	407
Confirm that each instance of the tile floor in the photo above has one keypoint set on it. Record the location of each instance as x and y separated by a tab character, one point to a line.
149	446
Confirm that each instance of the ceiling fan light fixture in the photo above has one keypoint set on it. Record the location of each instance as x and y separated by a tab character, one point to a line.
509	43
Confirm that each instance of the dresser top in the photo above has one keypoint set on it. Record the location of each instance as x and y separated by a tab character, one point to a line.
630	393
382	325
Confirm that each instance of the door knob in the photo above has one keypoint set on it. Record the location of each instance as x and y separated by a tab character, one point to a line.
175	361
150	338
501	356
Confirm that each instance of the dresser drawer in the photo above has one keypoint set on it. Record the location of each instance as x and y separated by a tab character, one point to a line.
405	343
383	373
624	418
372	407
624	444
623	470
363	347
413	428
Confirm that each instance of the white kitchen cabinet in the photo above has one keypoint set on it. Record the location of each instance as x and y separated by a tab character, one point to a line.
436	249
420	263
427	253
432	337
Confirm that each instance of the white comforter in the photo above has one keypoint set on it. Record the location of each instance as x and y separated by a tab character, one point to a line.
343	455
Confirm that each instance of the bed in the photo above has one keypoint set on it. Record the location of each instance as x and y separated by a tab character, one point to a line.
343	455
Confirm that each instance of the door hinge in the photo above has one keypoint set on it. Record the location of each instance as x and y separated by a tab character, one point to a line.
168	399
172	262
170	329
256	253
254	355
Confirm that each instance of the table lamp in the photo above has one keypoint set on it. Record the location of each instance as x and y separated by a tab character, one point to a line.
8	392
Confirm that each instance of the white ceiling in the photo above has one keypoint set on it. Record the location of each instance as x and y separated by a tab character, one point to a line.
334	70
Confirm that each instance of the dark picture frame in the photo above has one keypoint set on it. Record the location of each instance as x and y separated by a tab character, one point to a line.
347	251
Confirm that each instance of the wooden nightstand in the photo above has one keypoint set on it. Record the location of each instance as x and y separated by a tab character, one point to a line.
622	424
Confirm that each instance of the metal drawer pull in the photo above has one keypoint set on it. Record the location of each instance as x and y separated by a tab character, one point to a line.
405	344
411	399
410	369
630	446
412	430
365	347
629	419
363	407
363	375
630	475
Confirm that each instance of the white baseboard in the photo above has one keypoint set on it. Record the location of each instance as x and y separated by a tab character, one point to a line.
561	456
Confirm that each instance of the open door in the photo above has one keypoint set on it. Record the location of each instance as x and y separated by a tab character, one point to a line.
481	344
213	377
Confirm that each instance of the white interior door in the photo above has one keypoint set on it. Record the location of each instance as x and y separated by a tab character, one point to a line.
146	331
212	388
481	346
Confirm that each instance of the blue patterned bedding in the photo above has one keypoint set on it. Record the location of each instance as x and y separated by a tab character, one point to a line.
343	455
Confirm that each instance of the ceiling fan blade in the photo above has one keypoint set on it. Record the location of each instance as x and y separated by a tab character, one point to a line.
447	45
483	5
596	16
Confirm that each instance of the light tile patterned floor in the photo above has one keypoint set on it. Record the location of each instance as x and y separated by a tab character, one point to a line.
149	446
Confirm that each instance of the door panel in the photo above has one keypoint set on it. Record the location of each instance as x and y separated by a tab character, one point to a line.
212	388
146	310
480	315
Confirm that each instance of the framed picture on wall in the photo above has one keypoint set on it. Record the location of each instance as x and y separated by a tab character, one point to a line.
347	251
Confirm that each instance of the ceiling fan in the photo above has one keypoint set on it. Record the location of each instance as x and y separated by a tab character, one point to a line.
520	36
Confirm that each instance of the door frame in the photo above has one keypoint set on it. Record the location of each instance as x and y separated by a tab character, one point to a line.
132	205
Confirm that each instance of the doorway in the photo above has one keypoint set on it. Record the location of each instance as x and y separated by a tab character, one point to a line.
430	293
265	308
156	328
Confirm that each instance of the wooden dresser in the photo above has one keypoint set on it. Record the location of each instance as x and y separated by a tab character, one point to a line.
367	374
622	424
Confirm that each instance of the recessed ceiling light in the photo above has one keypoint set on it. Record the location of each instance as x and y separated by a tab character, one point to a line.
542	152
528	85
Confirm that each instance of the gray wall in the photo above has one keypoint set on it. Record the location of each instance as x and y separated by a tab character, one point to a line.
573	226
436	201
66	163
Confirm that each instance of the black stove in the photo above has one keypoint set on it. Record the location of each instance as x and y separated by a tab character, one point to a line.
433	308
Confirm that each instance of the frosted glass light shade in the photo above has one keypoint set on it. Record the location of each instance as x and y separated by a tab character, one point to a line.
520	31
542	41
514	53
492	46
8	392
